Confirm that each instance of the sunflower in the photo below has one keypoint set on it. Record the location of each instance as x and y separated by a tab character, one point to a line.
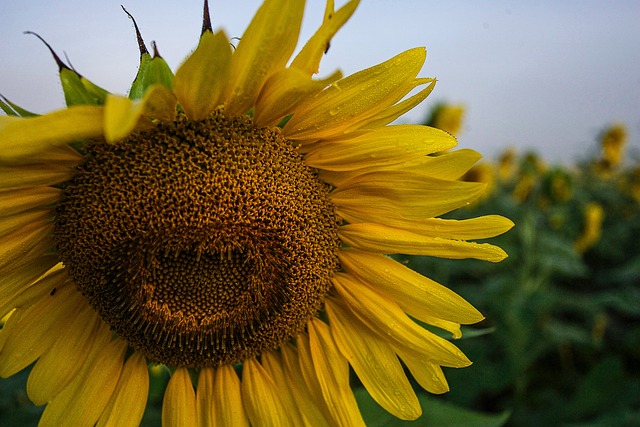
233	222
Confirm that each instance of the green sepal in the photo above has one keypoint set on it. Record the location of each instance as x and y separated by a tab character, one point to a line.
77	89
96	91
80	91
152	71
12	109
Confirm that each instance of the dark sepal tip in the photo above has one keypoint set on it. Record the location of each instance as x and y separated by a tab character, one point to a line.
156	54
61	65
206	19
141	46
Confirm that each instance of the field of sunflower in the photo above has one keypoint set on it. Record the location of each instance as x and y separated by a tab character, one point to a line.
560	344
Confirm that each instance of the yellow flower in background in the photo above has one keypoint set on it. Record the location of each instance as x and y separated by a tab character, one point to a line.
612	143
593	217
530	171
533	163
485	173
631	183
507	166
556	189
447	117
524	187
233	218
560	186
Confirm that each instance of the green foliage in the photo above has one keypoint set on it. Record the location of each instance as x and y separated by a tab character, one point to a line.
565	346
15	407
436	413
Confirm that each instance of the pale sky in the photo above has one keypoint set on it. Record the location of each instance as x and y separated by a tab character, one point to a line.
546	75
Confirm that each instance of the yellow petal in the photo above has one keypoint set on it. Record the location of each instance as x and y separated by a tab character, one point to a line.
273	366
388	115
385	318
332	371
446	325
199	82
204	397
15	246
64	359
390	194
60	155
13	317
82	402
426	373
481	227
22	138
12	223
25	297
309	400
13	202
265	47
38	329
17	279
375	363
353	99
129	399
159	103
312	381
36	248
228	407
475	228
122	115
261	397
417	295
445	166
468	229
8	120
308	59
179	405
384	146
12	178
283	91
388	240
451	165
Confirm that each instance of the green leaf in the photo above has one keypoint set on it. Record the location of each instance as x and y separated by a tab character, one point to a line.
556	253
15	407
600	390
623	418
436	413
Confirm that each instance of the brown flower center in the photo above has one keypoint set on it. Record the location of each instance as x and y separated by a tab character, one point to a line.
200	243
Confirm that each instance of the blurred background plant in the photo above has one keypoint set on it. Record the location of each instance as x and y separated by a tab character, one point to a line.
560	345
